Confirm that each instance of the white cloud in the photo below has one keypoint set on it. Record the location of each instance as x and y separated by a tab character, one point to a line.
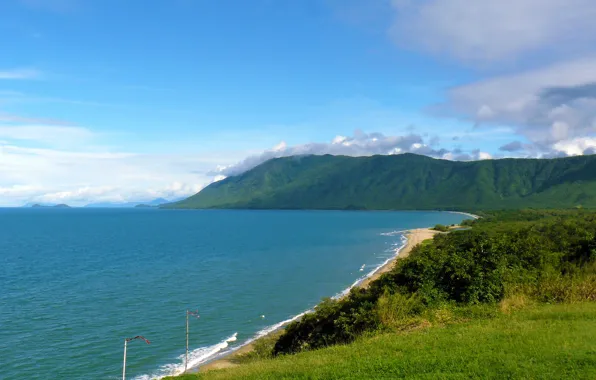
576	147
491	31
114	194
78	178
361	144
18	190
546	106
83	194
58	164
19	74
541	55
484	156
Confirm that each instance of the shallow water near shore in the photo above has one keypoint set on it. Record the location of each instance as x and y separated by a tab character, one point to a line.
76	282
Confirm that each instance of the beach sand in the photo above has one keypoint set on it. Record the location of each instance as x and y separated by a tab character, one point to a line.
415	237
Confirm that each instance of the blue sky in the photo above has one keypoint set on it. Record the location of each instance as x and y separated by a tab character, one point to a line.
131	100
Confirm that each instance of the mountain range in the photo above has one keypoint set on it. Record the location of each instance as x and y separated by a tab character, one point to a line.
404	182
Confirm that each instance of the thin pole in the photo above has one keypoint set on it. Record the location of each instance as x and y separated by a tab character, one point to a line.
186	361
124	365
194	314
125	344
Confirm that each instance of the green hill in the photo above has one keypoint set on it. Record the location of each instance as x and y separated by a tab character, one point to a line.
403	182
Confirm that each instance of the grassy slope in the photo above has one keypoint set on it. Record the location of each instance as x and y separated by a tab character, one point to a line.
404	182
543	342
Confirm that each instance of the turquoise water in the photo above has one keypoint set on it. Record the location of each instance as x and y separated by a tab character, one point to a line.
75	282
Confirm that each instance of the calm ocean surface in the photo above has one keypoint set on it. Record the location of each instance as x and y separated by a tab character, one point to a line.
75	282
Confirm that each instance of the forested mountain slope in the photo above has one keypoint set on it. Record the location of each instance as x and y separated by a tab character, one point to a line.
405	181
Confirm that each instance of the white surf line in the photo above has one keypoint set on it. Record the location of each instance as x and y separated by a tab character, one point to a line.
404	240
270	329
466	214
197	357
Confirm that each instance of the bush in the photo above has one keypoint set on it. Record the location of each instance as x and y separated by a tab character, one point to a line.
441	228
332	322
556	288
507	259
398	311
262	349
467	222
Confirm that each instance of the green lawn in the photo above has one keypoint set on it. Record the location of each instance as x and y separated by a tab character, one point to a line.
541	342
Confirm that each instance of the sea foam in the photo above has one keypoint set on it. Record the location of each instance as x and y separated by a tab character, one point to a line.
395	250
195	358
207	354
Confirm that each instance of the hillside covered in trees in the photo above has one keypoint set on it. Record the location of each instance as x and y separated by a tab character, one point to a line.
402	182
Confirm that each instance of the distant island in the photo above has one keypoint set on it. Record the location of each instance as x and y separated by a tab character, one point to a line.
134	204
404	182
62	205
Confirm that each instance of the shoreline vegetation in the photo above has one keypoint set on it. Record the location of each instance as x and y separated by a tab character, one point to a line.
413	236
525	269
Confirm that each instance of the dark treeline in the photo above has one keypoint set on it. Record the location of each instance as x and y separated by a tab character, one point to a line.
506	258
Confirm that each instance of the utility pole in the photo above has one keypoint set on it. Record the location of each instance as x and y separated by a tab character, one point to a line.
125	344
194	314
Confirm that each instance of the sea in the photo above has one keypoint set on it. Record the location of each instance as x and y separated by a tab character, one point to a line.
75	283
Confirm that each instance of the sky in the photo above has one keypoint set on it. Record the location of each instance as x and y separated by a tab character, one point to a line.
116	101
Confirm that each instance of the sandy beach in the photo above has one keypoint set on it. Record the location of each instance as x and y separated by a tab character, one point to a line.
415	237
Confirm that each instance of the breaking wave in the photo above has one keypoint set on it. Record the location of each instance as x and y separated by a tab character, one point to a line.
207	354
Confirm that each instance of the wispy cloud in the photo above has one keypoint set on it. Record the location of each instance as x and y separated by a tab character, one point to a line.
84	176
65	164
46	134
11	118
492	32
547	106
20	73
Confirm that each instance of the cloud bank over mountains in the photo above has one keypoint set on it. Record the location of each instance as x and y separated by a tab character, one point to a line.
360	144
537	57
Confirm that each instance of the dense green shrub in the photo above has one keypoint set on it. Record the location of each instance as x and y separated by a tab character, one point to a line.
549	256
441	228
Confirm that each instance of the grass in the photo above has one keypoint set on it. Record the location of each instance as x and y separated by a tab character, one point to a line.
262	348
522	341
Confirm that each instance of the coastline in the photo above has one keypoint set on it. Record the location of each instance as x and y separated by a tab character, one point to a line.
473	216
413	238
